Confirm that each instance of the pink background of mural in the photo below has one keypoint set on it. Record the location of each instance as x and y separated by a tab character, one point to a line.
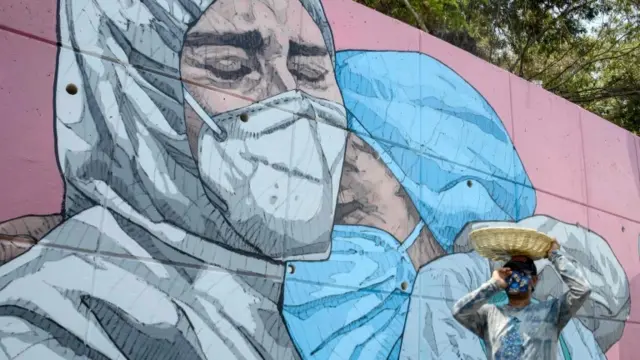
585	169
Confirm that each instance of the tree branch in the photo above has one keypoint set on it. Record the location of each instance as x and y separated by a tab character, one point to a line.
551	88
571	94
548	66
604	95
416	16
519	59
615	42
536	37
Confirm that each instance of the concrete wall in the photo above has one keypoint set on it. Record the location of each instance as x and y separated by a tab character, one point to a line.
177	243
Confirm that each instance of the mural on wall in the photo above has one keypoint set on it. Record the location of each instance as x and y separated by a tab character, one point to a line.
235	188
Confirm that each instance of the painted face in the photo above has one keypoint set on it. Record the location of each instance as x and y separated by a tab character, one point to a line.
275	173
243	51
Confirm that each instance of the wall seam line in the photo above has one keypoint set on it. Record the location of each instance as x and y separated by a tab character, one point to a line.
584	167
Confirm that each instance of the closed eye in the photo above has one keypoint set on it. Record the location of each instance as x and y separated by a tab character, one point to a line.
229	68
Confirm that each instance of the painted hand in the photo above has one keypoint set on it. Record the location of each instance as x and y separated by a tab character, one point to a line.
12	246
554	246
20	234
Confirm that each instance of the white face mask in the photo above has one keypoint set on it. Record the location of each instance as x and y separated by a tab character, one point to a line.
276	176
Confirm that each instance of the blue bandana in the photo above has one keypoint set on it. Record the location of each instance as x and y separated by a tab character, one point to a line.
518	283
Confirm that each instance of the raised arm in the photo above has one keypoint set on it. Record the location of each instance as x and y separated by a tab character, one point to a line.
579	289
469	310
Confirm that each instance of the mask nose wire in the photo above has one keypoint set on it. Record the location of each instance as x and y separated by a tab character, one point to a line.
219	133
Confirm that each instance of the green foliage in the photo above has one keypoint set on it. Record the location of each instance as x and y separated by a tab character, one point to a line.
586	51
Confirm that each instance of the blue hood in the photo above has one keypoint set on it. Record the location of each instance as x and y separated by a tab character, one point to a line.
440	137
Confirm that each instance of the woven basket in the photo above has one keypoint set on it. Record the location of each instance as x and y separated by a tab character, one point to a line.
503	243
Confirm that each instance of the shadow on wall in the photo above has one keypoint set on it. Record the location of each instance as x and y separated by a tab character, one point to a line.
629	343
634	155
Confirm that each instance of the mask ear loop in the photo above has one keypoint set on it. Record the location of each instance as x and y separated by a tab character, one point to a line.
219	133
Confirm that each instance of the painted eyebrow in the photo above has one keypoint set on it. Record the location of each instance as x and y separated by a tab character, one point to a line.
302	49
249	40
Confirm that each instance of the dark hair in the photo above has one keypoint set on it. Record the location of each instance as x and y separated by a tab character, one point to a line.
523	263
